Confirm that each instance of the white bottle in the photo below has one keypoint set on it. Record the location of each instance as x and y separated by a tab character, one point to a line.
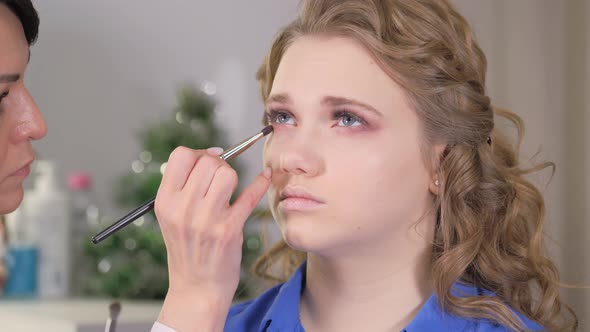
48	209
22	257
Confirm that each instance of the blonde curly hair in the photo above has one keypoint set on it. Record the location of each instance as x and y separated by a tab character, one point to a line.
489	230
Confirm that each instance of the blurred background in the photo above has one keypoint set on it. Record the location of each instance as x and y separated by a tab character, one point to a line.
114	79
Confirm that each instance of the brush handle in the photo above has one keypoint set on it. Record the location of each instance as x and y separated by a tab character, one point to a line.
126	220
227	155
111	325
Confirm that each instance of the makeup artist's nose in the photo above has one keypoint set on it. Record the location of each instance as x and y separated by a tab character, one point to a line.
300	159
30	124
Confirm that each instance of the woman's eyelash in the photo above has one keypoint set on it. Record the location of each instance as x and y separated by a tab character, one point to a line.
272	115
347	114
3	95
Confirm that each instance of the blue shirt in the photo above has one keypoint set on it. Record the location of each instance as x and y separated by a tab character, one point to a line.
277	310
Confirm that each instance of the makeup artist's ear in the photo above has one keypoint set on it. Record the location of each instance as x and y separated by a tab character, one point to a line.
435	180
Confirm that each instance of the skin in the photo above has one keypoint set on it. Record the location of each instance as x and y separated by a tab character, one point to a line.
345	133
20	119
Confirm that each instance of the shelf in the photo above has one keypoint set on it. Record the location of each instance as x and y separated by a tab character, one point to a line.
75	315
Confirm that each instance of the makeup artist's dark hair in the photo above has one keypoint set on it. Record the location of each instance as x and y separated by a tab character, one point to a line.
27	15
489	230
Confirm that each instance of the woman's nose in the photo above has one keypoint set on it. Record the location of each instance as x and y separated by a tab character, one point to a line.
30	124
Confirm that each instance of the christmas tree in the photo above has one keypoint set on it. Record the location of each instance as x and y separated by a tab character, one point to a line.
132	262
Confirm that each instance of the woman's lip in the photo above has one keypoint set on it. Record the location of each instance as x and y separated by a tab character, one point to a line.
23	172
299	204
298	192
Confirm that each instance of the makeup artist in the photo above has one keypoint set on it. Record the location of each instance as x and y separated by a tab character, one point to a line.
20	119
191	176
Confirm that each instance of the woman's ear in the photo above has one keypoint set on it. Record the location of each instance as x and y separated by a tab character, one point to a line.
434	186
435	178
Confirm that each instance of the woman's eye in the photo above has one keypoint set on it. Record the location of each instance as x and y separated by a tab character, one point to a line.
345	119
348	119
3	95
279	117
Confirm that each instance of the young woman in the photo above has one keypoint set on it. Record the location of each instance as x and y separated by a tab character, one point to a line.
401	206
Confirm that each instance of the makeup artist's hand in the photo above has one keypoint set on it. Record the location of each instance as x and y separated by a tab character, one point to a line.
203	236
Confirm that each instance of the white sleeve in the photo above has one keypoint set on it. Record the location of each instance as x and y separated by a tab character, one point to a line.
159	327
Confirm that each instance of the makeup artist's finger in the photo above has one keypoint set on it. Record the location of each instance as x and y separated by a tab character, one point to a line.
250	197
222	187
180	164
200	178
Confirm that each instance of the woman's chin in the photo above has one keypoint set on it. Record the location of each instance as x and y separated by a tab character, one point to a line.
297	238
302	237
9	201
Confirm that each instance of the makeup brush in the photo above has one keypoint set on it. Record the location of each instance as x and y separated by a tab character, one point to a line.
149	205
114	311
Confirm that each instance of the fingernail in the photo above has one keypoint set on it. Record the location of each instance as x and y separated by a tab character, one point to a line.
215	151
267	172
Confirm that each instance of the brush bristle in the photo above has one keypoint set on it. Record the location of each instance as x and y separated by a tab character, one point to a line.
267	130
115	309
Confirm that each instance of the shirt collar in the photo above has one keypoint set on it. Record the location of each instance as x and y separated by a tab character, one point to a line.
283	314
432	316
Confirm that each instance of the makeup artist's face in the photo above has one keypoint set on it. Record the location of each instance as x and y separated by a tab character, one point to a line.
20	120
345	136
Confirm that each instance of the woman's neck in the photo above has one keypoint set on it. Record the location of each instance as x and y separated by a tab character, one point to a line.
380	292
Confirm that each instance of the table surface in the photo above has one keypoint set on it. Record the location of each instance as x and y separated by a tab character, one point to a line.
75	315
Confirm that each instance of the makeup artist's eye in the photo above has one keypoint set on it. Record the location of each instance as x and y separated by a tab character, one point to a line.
348	120
4	95
279	117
